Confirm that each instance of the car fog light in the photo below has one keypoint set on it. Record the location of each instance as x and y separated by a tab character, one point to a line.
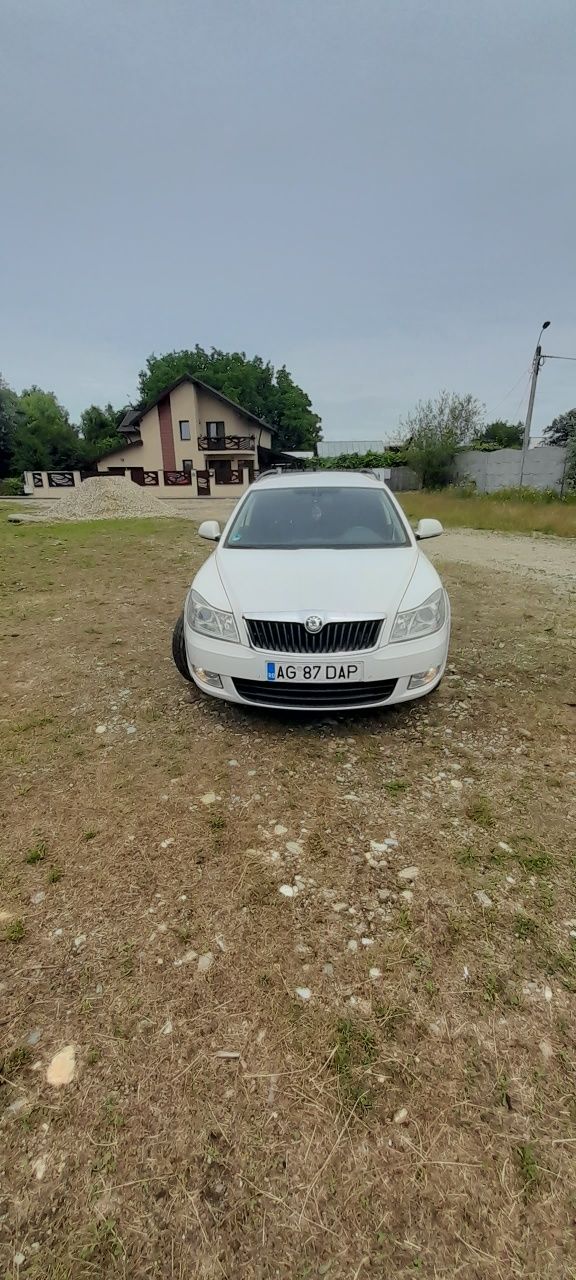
423	677
208	677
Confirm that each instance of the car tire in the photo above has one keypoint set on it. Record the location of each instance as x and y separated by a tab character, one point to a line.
179	649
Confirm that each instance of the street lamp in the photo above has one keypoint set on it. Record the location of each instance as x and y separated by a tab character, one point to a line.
537	363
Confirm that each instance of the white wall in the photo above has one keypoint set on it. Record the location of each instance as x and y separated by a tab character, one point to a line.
544	468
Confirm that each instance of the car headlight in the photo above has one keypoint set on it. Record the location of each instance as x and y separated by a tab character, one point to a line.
208	621
428	617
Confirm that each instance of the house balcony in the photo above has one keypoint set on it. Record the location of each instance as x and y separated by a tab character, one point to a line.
221	444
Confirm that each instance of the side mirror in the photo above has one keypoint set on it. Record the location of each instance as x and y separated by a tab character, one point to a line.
210	529
428	529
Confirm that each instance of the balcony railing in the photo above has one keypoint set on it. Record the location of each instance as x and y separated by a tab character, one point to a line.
217	444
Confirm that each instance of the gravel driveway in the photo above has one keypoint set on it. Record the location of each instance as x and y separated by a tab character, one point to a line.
553	556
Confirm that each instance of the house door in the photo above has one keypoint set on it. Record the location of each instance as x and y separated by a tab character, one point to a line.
203	482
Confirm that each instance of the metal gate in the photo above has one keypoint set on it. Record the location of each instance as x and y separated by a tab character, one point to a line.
203	481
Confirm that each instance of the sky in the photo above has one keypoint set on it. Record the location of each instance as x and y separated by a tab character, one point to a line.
380	194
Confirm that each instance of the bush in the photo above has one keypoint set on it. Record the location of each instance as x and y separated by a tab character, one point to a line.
11	487
435	431
359	461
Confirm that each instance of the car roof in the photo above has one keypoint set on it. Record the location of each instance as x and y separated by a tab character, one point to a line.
318	480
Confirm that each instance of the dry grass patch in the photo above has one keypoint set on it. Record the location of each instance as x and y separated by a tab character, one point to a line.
493	511
372	1076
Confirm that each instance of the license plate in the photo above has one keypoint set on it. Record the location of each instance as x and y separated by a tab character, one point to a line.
319	672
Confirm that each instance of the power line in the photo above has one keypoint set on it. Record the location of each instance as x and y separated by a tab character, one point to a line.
559	358
500	402
524	396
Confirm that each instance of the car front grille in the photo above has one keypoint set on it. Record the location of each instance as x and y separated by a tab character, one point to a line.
335	637
314	696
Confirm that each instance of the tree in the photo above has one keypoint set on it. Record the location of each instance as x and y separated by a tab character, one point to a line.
434	432
570	473
562	429
99	428
253	384
9	419
508	435
44	438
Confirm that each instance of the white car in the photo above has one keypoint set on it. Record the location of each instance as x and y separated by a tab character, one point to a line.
316	598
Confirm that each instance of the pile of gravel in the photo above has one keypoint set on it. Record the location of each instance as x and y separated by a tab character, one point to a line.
103	498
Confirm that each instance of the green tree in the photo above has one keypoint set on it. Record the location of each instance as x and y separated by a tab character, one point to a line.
99	429
253	384
45	439
508	435
9	419
434	432
562	429
570	474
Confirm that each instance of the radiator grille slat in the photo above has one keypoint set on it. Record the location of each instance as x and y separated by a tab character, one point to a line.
292	637
314	695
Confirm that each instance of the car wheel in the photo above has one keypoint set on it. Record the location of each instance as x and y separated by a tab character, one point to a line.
179	649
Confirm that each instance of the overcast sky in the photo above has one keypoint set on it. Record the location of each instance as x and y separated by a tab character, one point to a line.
379	193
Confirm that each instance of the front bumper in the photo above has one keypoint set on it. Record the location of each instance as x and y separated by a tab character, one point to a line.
389	669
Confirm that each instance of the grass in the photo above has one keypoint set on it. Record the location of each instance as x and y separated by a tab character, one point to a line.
285	1159
13	1063
525	927
37	853
528	1170
509	514
479	810
15	931
396	786
390	1018
354	1050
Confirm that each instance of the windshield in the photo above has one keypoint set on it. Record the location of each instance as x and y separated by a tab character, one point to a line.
289	519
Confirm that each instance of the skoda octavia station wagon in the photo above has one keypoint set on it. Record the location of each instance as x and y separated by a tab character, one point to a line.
317	597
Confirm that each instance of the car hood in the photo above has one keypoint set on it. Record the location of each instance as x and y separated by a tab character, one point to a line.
340	583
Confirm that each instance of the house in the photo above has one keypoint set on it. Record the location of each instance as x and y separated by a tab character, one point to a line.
192	441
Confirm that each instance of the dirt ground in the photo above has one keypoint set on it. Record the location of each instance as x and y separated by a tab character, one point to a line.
371	1075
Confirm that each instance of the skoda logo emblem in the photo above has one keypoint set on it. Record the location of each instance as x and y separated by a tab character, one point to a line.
314	624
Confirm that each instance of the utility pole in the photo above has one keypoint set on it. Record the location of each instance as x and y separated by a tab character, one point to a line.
537	363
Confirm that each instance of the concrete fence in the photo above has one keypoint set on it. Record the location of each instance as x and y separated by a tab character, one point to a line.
50	484
403	478
544	468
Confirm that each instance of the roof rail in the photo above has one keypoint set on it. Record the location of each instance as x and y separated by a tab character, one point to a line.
271	471
282	470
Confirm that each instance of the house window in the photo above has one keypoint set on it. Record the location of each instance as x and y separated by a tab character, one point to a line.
187	465
185	431
215	430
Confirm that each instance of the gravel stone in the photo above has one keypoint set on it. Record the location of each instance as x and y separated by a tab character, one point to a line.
62	1067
